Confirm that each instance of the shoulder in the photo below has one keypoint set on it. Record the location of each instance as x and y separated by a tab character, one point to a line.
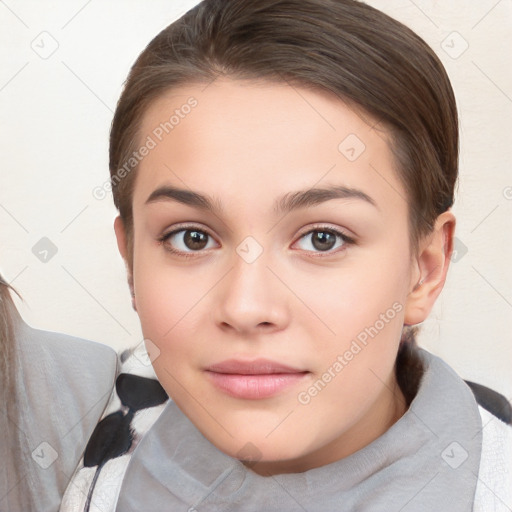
68	376
39	348
72	372
494	486
67	382
493	413
136	403
492	401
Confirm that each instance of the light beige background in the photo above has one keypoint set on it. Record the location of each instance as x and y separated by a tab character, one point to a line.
55	117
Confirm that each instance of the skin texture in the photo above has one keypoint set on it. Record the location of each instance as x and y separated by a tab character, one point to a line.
299	303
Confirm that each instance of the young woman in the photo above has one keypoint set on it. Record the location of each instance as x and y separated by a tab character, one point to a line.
284	172
53	390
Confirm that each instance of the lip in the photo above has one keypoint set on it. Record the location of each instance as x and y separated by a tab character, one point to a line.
254	367
253	380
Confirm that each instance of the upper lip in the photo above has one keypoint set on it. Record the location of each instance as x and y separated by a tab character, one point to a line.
254	367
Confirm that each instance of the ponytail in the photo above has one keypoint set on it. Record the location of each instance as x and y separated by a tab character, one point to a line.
408	366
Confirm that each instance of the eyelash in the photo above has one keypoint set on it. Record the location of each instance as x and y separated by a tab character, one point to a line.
322	254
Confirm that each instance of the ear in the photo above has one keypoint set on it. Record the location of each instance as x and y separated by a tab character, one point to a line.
430	269
123	250
121	237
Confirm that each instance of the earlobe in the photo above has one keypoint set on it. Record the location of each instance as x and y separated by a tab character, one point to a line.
432	265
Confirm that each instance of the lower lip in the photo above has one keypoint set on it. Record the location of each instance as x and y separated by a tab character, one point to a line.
254	387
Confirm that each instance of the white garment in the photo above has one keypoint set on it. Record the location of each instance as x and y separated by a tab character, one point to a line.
494	486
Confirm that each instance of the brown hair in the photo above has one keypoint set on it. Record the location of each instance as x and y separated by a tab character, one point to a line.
360	54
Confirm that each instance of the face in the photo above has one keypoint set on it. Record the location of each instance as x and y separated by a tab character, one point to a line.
271	269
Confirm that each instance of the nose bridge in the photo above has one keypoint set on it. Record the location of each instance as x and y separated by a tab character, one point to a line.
250	293
250	278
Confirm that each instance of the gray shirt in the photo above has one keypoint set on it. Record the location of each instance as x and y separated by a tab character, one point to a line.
65	384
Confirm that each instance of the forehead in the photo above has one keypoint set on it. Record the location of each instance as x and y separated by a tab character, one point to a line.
249	141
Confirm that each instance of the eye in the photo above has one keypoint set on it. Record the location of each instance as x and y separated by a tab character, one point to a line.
323	239
185	241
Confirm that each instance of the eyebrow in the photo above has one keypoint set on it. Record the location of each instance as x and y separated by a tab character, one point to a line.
287	203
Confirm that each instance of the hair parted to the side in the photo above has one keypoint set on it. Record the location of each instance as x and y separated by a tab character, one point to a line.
367	59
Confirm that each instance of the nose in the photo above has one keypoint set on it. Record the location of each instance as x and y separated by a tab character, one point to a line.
251	299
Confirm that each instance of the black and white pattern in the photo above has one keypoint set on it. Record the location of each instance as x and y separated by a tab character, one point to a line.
135	404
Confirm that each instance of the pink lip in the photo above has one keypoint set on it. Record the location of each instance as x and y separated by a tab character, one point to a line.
253	380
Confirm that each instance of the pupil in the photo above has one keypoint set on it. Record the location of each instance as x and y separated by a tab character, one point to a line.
323	240
195	239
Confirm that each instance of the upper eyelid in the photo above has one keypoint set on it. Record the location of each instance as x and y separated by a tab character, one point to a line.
326	227
197	227
192	227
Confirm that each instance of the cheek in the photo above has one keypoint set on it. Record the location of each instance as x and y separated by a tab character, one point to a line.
163	295
354	298
165	305
166	312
